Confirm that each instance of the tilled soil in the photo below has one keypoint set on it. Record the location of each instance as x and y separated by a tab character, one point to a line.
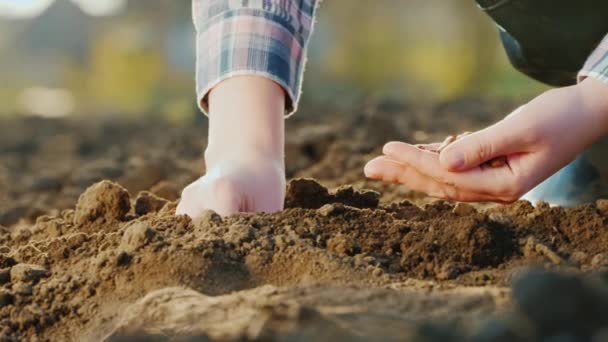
366	261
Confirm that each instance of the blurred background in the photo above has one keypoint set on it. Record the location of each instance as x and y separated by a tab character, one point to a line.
136	57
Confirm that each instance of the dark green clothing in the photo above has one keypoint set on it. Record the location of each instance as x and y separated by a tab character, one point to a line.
549	40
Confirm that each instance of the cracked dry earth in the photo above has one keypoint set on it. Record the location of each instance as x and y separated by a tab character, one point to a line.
91	250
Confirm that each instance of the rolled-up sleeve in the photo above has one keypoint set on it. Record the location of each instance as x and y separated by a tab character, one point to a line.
267	38
597	64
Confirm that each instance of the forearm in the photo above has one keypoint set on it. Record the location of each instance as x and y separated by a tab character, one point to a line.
246	120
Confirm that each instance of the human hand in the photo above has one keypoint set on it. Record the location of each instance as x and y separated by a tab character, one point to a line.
537	140
255	185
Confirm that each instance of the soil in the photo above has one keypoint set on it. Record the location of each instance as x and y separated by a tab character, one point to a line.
90	247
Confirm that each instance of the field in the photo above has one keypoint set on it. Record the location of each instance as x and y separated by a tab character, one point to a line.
90	248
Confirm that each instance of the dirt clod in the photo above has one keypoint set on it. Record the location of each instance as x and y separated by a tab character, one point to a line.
146	202
104	200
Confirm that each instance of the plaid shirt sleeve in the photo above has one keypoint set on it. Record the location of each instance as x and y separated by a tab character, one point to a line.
252	37
597	64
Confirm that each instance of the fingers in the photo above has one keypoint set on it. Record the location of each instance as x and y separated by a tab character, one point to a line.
385	169
477	148
220	195
479	180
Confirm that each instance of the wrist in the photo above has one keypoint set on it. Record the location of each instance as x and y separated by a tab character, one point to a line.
594	95
217	155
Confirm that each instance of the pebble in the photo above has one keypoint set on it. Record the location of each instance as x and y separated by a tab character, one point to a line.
327	209
28	273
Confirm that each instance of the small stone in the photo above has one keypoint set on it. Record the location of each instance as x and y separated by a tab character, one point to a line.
136	236
328	209
6	298
23	289
28	273
464	209
4	249
104	200
599	260
146	202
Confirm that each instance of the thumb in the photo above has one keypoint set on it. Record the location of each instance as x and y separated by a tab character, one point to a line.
479	147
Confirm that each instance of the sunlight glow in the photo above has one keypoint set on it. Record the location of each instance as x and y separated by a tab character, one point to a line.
23	8
33	8
99	8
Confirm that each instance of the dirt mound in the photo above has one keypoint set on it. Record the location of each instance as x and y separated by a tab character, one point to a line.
363	261
123	268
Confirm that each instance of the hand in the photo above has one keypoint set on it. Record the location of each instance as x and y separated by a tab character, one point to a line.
229	187
244	155
537	140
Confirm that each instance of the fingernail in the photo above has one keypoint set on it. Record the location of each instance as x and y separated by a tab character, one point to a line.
370	170
389	148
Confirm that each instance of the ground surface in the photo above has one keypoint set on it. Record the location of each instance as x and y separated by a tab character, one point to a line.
90	248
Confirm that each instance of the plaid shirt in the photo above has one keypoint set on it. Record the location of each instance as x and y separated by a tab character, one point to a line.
597	64
269	38
252	37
